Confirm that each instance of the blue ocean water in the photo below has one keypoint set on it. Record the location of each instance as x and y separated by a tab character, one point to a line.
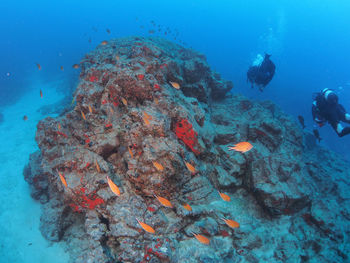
309	42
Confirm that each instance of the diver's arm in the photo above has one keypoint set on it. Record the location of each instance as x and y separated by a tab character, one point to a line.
316	115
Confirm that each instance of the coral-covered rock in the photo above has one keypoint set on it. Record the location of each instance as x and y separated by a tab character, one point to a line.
129	124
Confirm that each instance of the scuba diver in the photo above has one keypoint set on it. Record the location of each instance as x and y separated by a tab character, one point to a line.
261	72
325	107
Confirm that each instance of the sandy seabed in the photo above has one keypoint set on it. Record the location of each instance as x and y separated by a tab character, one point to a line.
20	237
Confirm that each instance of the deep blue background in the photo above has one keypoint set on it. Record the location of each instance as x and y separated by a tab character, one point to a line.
309	42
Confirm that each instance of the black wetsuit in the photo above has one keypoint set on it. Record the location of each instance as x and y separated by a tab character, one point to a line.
323	111
261	75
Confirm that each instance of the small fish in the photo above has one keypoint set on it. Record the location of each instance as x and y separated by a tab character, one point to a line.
59	126
146	227
108	31
231	223
97	167
151	31
25	117
63	180
124	102
241	147
62	68
190	167
175	85
76	66
187	207
117	57
147	116
41	93
111	110
204	240
104	42
113	186
146	120
38	65
90	109
83	115
156	101
164	201
317	135
130	152
225	197
158	166
73	100
301	120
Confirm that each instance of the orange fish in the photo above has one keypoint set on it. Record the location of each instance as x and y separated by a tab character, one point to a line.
130	152
164	201
117	57
146	121
147	116
175	85
156	101
187	207
63	180
90	109
41	93
111	110
113	186
225	197
158	166
190	167
124	102
146	227
97	167
83	115
76	66
25	117
241	147
38	65
59	126
104	42
204	240
231	223
61	68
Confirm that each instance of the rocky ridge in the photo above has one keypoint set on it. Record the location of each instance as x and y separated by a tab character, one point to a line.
290	196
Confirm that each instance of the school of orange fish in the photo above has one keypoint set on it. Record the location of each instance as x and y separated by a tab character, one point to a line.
239	147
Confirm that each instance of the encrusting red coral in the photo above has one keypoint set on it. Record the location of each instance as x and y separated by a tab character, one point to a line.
89	202
185	132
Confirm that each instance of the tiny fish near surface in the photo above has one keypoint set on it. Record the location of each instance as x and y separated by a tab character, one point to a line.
164	202
63	180
97	167
190	167
114	188
158	166
146	227
204	240
187	207
241	147
225	197
175	85
231	223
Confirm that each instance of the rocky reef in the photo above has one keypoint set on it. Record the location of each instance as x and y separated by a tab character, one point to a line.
132	124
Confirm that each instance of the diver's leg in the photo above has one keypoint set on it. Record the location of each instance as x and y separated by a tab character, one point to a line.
340	130
347	118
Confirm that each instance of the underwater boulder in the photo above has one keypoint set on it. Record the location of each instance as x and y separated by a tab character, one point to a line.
138	163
